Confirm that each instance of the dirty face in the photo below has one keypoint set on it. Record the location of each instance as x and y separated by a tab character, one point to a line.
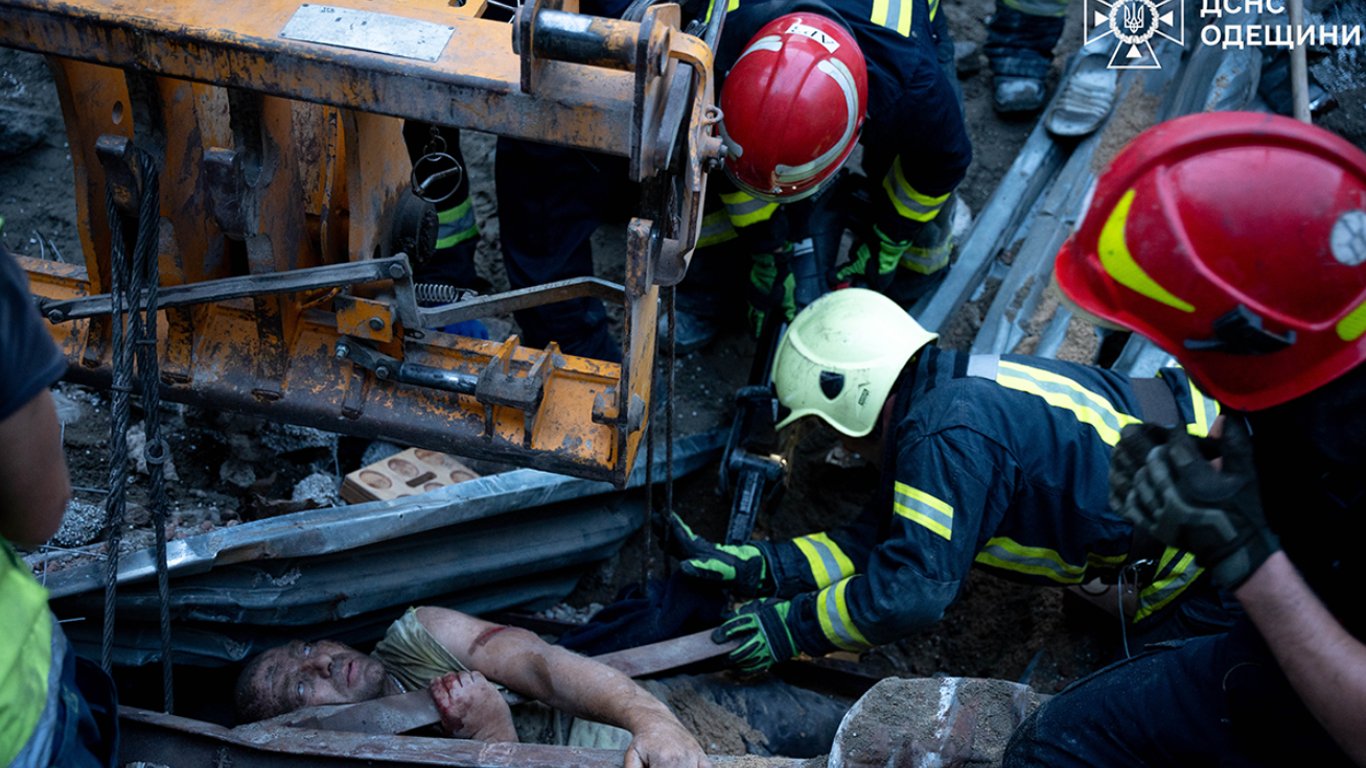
305	674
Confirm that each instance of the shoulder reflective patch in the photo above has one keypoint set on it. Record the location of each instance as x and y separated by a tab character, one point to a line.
1119	262
983	366
922	508
894	15
832	610
1007	554
1064	393
827	561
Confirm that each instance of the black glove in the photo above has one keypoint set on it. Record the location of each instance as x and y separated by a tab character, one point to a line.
1216	514
765	638
742	568
1130	454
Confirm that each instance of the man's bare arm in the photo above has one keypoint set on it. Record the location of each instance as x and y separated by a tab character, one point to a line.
570	683
1325	664
34	486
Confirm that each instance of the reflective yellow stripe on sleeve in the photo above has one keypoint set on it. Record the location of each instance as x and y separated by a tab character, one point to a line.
908	202
746	210
1061	392
1176	570
731	5
1010	555
827	561
934	9
1206	411
832	610
456	225
716	229
922	508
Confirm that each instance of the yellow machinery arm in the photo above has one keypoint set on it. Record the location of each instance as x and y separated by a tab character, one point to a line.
274	128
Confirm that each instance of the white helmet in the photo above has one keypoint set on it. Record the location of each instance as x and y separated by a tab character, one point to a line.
841	356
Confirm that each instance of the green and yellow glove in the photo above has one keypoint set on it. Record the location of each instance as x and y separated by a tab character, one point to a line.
771	285
741	568
1184	501
872	263
765	639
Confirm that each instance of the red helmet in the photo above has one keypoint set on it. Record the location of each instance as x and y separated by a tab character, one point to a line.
792	106
1236	242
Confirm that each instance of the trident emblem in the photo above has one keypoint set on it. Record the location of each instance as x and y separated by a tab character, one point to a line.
1133	17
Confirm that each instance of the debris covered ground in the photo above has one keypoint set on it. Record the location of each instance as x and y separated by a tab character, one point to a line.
230	469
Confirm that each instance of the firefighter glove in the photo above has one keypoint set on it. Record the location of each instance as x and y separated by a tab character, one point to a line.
772	286
742	568
1215	512
872	262
761	628
1130	454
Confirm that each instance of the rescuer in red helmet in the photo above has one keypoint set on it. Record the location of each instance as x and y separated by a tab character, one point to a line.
1236	242
801	82
804	82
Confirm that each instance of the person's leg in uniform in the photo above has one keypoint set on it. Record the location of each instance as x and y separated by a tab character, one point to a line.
1211	700
550	201
1019	48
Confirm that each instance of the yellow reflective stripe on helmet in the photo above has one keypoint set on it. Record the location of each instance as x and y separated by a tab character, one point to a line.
746	210
920	507
456	225
1351	326
1119	262
1010	555
827	561
893	14
1172	580
907	201
716	229
1061	392
832	610
1206	410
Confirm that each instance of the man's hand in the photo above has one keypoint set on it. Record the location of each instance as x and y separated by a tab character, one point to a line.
472	708
741	568
872	262
1214	512
1130	454
664	743
761	627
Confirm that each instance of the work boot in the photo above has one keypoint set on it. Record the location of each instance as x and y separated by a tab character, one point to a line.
1017	95
695	331
1085	100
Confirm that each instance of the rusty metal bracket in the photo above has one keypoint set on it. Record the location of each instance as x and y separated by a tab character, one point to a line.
387	368
500	385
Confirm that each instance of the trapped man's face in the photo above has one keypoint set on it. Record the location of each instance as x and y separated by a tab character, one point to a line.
305	674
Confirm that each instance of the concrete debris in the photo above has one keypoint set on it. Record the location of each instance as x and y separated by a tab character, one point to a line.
81	524
570	614
137	453
69	409
943	722
28	102
319	488
288	438
237	473
378	451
